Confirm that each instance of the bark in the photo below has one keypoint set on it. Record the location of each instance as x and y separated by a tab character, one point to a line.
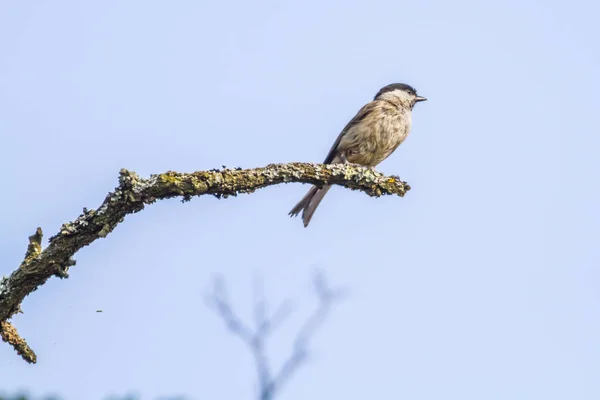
131	196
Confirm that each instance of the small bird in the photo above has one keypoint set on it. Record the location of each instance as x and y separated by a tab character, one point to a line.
370	137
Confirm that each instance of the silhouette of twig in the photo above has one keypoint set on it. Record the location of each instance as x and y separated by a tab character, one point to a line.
270	384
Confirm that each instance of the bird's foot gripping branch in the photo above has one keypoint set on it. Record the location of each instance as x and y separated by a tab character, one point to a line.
131	196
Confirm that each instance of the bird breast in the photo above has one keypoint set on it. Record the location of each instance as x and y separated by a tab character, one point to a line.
375	137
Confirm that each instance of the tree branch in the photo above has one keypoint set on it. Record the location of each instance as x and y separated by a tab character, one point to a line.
270	385
326	298
134	193
10	335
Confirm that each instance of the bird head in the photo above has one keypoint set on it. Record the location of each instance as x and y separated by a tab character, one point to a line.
401	93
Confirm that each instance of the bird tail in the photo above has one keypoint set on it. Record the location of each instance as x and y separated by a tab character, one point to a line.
309	203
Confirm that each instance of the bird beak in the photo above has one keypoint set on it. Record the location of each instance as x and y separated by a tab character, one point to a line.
420	98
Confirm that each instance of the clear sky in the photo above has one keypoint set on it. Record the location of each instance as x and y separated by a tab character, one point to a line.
482	283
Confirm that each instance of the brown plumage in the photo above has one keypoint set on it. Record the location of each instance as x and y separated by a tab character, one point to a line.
370	137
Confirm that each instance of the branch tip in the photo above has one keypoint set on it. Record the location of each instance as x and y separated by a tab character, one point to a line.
34	248
10	335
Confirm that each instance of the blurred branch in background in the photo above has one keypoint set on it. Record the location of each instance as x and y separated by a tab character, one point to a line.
269	383
131	196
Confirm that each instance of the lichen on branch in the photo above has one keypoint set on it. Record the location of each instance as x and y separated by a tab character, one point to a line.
9	334
133	193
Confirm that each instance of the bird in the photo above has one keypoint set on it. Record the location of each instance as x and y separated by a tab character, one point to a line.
374	133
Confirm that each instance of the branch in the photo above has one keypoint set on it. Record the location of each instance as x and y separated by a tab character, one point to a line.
10	335
326	298
270	385
134	193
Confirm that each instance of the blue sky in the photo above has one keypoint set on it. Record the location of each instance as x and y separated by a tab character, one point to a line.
483	282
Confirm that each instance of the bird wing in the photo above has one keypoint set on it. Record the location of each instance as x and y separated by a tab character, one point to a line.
360	115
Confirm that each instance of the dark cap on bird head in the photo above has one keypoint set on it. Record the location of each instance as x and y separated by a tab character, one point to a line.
400	86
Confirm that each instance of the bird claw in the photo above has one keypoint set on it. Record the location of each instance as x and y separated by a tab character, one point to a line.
345	161
355	165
